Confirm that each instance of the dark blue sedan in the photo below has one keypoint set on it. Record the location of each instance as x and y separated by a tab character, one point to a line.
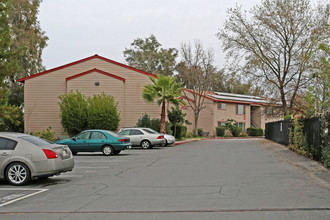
104	141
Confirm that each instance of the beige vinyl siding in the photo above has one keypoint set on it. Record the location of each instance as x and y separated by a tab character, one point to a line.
230	113
206	117
41	94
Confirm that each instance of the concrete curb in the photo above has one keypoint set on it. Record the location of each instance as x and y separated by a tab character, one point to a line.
218	138
185	142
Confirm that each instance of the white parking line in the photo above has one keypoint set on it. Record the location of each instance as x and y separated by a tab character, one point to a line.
102	161
21	196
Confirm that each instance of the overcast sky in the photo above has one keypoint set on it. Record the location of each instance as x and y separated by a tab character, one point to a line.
81	28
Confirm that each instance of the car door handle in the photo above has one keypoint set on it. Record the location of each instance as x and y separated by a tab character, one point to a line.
5	154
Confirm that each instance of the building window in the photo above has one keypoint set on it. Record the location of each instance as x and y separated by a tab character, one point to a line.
241	125
240	109
221	123
221	105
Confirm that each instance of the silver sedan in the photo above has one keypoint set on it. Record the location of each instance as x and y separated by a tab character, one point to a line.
169	139
142	137
24	157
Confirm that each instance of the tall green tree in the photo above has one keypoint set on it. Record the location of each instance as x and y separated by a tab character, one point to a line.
11	117
4	42
27	43
274	42
21	45
28	39
163	90
317	98
149	55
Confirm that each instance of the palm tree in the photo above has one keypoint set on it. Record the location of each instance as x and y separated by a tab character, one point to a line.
164	89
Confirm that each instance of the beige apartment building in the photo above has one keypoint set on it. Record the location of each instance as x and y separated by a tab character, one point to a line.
97	74
247	111
92	75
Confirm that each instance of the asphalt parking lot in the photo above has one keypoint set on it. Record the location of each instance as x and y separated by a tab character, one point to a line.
211	179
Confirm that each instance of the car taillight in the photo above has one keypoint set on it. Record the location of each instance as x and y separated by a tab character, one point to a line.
161	137
50	154
122	140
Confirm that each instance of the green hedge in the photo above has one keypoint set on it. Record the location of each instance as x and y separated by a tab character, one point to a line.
255	131
220	131
236	131
181	132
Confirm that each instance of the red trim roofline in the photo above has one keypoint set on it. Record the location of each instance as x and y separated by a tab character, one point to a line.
95	70
183	97
83	60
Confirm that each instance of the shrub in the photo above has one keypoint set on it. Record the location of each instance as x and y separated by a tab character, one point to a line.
45	134
155	124
236	131
200	131
325	159
79	113
252	131
181	132
220	131
189	135
11	118
244	134
287	117
144	121
73	107
298	141
102	112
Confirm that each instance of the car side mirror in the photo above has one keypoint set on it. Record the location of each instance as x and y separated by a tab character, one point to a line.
74	139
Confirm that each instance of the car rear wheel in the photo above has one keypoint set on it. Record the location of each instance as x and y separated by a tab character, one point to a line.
145	144
107	150
18	174
165	144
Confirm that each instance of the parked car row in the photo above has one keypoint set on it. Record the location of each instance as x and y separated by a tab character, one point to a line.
24	157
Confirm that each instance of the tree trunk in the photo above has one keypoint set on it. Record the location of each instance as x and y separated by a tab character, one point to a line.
284	106
162	119
196	124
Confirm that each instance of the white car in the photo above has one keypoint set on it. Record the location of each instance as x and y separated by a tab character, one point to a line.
169	139
142	137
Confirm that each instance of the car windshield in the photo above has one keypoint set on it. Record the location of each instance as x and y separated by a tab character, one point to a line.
36	140
150	131
113	134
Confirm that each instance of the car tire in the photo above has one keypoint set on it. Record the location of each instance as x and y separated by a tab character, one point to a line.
116	152
145	144
165	145
107	150
18	174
